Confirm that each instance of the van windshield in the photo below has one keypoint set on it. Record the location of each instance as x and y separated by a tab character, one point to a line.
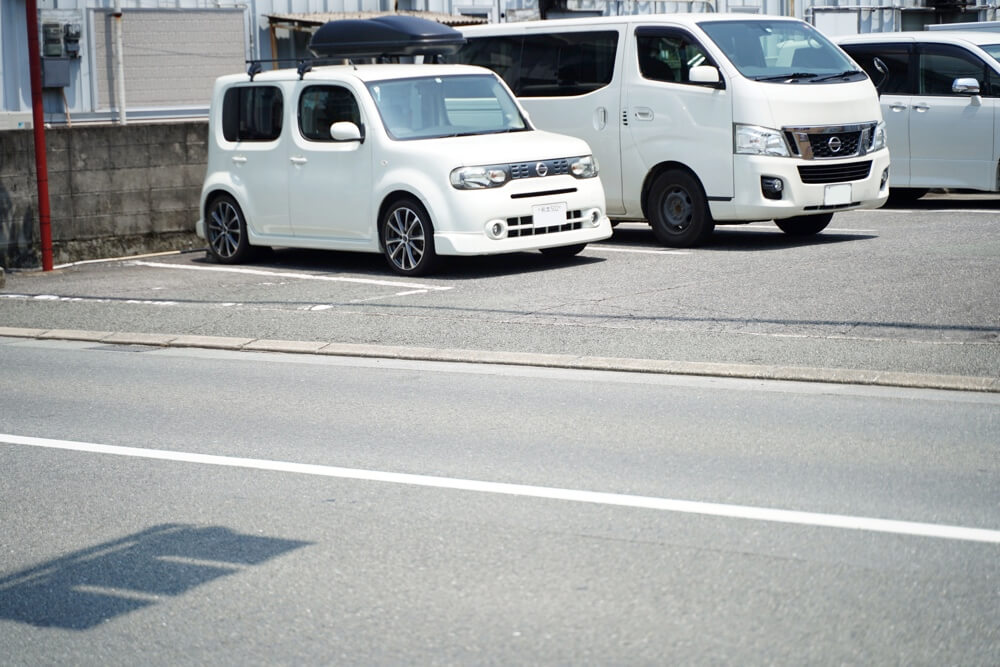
431	107
992	49
781	51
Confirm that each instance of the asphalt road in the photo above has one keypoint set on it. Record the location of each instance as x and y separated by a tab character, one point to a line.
893	290
171	506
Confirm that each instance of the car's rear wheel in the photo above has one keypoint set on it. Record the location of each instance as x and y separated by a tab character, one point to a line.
564	250
226	231
804	225
408	238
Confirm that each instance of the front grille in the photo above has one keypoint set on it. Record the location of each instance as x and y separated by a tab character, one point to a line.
835	173
835	145
830	142
557	167
523	225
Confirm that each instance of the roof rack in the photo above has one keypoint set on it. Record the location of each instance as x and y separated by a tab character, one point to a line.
384	36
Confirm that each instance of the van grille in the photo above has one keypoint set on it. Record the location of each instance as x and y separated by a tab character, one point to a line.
830	142
522	226
835	173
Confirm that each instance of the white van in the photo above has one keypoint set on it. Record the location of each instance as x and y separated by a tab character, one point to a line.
701	119
940	94
411	160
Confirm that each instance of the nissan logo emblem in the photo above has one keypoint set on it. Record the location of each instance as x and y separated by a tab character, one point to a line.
541	169
835	144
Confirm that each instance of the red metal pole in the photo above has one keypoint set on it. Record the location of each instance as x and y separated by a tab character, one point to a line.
41	164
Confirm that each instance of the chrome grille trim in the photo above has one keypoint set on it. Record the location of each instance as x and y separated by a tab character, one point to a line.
830	142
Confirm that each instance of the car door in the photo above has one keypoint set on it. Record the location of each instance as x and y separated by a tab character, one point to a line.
329	182
668	117
253	119
889	68
951	134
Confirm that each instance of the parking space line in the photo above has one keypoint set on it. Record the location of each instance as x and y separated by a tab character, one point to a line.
813	519
296	276
608	248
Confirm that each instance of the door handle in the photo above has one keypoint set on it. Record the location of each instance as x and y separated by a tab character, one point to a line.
600	118
298	160
897	107
643	113
921	107
239	159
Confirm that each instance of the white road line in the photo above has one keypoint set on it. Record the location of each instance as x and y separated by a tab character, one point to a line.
608	248
642	502
295	276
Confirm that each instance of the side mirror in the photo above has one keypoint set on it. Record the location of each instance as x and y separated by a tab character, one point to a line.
965	86
345	131
704	74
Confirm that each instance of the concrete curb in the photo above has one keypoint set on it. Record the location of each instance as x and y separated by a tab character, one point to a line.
661	366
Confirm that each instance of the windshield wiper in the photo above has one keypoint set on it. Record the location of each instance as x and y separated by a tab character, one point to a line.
839	75
783	77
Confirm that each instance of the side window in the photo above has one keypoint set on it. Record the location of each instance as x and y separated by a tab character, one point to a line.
500	54
322	106
895	57
566	64
940	64
668	55
252	113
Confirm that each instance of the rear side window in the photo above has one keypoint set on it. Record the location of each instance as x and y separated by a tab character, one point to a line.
668	55
252	113
548	64
322	106
895	59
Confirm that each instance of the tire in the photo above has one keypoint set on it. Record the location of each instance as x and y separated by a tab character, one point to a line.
904	196
408	238
678	211
564	250
804	225
226	231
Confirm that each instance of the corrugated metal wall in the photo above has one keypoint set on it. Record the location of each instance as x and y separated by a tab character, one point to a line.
171	57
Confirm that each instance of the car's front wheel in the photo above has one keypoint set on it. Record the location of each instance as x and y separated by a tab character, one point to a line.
408	238
226	231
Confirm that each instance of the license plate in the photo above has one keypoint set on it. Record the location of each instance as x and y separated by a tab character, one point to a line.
548	215
836	195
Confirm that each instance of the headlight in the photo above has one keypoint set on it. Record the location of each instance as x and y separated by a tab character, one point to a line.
878	137
476	178
755	140
584	167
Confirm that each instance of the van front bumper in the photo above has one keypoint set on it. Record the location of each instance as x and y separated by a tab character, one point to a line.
806	186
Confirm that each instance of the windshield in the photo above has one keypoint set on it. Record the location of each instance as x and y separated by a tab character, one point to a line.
781	51
992	49
446	106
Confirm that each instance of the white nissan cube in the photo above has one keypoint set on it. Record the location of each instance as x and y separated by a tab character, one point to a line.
411	160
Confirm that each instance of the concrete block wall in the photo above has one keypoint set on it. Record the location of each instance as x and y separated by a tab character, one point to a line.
113	191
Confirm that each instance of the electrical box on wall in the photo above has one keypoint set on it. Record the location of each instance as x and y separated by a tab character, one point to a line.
55	72
62	31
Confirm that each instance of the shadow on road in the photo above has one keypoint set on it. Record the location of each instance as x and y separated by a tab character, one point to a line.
736	238
88	587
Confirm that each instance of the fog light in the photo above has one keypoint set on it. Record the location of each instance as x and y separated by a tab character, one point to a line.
496	229
771	187
885	179
595	217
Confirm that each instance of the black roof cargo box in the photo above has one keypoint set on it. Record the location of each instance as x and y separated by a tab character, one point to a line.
384	36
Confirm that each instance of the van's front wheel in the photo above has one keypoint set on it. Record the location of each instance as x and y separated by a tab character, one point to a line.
678	211
408	238
804	225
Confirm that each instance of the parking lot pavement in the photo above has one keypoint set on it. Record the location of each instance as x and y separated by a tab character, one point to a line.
889	296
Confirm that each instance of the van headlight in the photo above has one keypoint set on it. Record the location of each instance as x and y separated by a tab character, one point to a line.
584	167
756	140
477	178
878	137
